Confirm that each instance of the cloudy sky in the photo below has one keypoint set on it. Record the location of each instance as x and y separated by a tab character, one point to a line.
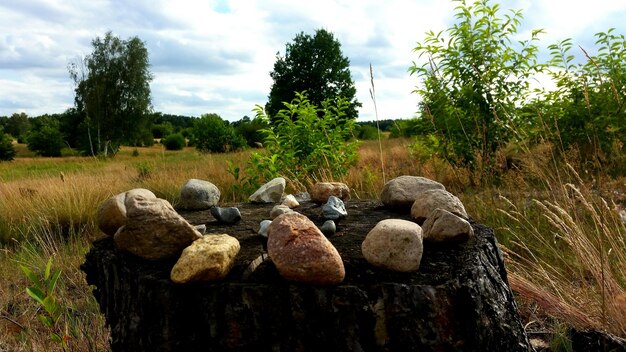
216	55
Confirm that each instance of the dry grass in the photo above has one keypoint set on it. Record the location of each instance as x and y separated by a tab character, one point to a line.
564	244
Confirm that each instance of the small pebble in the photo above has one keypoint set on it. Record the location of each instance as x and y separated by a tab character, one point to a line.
263	226
290	201
278	210
201	228
334	209
226	215
328	228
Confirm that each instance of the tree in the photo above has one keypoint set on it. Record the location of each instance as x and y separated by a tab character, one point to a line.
7	151
212	134
45	139
174	141
113	92
18	125
474	78
315	65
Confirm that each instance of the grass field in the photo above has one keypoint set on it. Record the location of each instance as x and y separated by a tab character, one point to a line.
562	238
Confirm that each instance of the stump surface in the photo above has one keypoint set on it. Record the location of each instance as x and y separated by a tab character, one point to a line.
459	299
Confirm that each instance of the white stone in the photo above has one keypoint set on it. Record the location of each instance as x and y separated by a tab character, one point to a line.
270	192
395	245
290	201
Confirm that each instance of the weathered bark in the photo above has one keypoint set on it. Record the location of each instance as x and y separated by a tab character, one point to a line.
459	300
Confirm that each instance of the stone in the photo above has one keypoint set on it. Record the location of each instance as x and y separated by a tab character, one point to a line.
328	228
394	244
432	199
207	259
279	209
334	209
153	229
459	299
198	195
444	226
270	192
201	229
111	214
290	201
230	215
263	226
322	190
402	191
301	253
302	197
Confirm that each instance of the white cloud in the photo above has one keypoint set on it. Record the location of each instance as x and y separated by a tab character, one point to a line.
215	56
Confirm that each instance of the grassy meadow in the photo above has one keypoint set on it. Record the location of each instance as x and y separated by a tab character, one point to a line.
559	228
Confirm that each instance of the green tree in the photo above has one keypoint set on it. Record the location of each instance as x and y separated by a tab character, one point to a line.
18	125
474	77
314	64
7	151
251	129
45	139
113	92
212	134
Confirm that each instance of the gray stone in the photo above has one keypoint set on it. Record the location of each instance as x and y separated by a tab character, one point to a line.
111	214
302	253
270	192
153	229
328	228
395	245
323	190
230	215
279	209
198	195
201	229
207	259
432	199
290	201
444	226
402	191
263	226
302	197
334	209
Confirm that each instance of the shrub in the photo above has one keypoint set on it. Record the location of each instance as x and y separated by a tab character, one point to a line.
174	141
306	143
7	151
212	134
46	139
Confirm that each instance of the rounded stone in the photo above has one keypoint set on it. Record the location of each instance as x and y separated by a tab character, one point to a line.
402	191
198	195
301	253
207	259
278	210
443	226
432	199
394	245
323	190
111	214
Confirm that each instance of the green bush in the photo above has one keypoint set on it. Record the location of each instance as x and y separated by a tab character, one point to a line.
7	151
366	132
306	143
212	134
174	141
45	139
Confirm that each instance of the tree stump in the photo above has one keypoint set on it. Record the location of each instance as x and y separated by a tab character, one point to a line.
459	299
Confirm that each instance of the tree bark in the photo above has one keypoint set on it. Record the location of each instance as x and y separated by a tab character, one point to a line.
459	299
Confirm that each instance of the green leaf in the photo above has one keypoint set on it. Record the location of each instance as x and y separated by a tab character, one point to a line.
55	337
45	320
36	294
31	276
48	267
53	282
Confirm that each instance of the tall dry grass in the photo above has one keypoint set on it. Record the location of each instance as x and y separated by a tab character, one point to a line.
563	242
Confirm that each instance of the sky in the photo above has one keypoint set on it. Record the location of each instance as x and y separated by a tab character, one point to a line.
215	56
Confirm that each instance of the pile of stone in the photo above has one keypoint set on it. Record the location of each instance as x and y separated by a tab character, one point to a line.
149	227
